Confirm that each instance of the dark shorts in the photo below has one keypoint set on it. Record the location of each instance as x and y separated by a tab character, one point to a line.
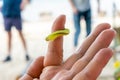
12	22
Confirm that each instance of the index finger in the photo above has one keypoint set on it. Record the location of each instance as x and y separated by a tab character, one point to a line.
54	54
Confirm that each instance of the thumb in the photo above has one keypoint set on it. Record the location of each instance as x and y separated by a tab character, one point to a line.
34	70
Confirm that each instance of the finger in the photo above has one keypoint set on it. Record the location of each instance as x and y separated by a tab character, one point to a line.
35	69
94	68
102	41
85	45
55	48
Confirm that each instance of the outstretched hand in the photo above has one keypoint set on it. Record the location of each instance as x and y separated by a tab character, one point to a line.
91	57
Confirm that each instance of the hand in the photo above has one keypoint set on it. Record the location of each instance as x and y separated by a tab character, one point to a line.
23	4
91	57
75	11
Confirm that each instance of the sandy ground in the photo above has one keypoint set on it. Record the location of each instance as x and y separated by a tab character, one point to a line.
35	33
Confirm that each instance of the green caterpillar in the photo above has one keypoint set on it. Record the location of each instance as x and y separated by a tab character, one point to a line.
56	34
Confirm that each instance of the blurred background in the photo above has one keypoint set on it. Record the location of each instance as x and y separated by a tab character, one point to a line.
38	17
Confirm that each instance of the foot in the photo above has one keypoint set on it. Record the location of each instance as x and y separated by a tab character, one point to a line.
7	59
27	57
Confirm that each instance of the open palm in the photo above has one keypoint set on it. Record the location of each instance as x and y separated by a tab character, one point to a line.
85	64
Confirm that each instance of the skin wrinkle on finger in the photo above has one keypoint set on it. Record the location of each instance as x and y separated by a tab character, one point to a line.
104	54
81	63
54	51
49	72
98	62
63	75
99	43
89	40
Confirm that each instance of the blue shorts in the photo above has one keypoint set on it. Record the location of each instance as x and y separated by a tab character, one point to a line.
12	22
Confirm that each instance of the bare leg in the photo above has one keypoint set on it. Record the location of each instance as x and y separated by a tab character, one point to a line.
24	44
23	40
8	58
9	41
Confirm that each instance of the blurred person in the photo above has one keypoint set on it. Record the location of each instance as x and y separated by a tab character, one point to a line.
81	8
101	13
116	7
91	57
11	11
98	9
